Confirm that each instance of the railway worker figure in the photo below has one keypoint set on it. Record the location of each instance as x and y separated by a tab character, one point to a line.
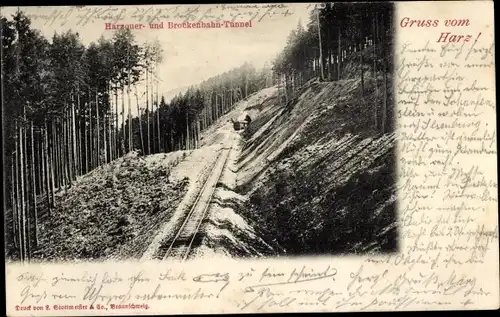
236	124
248	119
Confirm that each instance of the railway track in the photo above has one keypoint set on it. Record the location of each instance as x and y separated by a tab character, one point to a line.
182	243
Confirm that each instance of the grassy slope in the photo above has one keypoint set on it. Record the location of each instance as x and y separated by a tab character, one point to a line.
111	212
320	179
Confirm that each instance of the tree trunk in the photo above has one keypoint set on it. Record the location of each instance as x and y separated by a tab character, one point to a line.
105	135
47	169
63	144
339	56
123	120
38	165
64	147
198	125
320	48
73	137
52	152
14	203
158	116
34	182
56	154
42	165
231	90
329	65
98	131
375	38
86	138
117	115
68	123
23	201
153	129
78	137
27	198
374	44
195	133
129	113
384	105
216	107
139	114
50	167
147	114
362	73
91	135
105	123
224	101
286	88
46	162
187	130
110	124
246	86
328	53
191	133
227	105
110	121
110	134
18	192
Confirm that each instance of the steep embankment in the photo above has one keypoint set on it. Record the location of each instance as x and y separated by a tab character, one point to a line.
225	232
320	178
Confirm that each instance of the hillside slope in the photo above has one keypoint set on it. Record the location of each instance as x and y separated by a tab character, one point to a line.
319	178
111	212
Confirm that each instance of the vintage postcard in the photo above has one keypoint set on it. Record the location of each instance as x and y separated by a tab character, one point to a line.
250	158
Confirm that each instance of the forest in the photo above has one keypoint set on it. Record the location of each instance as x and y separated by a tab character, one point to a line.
68	110
336	34
67	107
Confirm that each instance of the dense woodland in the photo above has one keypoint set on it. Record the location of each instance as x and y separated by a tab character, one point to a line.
68	107
335	35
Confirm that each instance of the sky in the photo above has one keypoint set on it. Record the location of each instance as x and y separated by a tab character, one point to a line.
189	55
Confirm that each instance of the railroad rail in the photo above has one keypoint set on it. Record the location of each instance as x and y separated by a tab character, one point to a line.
180	246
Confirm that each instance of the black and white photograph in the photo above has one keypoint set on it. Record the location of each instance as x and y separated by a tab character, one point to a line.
180	134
